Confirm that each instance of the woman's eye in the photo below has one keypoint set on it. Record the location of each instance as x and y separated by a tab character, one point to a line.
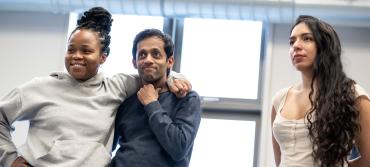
308	39
70	50
87	50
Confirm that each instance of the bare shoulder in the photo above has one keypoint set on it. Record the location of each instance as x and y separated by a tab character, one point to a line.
363	103
363	142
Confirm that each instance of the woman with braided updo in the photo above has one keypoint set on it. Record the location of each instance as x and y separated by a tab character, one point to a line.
72	114
317	122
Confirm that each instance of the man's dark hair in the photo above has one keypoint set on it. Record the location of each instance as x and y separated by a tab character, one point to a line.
147	33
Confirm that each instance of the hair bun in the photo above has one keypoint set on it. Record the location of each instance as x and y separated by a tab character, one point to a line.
97	17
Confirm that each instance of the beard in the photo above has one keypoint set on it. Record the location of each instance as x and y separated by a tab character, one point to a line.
150	78
153	77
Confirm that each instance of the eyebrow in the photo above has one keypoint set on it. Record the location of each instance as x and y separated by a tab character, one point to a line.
155	49
303	34
150	50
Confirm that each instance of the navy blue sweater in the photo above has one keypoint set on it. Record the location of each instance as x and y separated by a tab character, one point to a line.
160	134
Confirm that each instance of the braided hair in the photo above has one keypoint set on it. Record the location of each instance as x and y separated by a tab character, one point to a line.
98	20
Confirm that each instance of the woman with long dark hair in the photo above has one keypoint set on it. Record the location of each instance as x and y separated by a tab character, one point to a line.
320	120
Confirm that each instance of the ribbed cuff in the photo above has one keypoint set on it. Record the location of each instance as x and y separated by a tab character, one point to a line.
152	107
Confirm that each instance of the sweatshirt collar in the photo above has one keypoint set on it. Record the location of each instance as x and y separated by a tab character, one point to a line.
94	81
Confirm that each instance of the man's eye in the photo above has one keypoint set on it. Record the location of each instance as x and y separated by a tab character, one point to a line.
156	54
141	55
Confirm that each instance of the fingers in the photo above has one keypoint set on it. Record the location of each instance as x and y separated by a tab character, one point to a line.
186	85
20	162
158	90
179	88
173	88
183	87
146	88
147	94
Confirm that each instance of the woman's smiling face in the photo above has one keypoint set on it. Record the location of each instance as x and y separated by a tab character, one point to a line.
84	54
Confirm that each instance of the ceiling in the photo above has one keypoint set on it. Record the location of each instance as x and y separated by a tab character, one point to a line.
339	12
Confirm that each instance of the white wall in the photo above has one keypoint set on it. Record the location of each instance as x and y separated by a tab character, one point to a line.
280	73
31	44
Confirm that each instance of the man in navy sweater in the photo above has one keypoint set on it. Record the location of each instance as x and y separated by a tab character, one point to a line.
154	128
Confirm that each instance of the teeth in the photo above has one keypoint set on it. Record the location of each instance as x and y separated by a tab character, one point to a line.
77	65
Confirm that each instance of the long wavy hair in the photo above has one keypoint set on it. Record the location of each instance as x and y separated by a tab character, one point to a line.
333	119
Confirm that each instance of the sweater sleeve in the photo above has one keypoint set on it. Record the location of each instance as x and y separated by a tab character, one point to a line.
126	84
176	135
10	108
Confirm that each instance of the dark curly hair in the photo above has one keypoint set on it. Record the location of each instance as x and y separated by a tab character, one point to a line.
98	20
333	119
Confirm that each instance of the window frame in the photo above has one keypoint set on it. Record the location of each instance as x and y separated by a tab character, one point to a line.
176	30
245	109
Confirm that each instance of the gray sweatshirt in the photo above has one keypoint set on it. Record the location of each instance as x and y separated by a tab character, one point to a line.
71	122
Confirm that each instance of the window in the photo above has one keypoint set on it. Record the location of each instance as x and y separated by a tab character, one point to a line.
222	58
222	142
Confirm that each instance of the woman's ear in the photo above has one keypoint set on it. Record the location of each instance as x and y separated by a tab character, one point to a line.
103	58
